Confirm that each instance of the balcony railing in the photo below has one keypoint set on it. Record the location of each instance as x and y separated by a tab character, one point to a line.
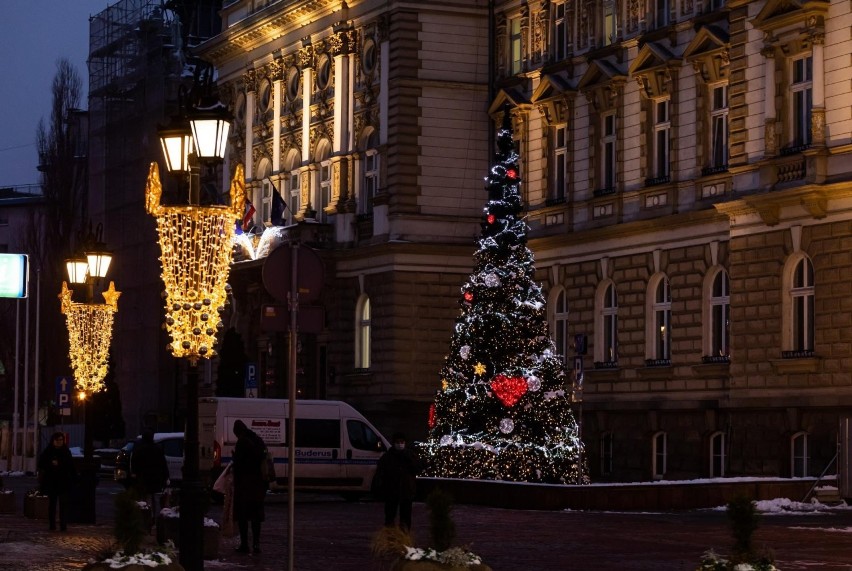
706	171
604	191
658	180
708	359
798	354
658	362
606	364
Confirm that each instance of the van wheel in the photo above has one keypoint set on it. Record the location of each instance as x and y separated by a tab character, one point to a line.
351	496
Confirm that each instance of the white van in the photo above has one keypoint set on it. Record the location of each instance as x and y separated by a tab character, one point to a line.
337	449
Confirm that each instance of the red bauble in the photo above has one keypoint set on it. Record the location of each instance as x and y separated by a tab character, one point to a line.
431	416
508	389
491	219
468	296
512	173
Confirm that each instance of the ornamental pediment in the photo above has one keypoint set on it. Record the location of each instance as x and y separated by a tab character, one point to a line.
511	97
654	69
708	53
552	97
602	83
777	14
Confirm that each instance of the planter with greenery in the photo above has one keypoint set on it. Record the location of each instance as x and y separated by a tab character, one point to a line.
744	519
131	533
396	544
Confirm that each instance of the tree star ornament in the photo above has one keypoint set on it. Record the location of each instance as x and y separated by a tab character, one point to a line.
479	368
444	384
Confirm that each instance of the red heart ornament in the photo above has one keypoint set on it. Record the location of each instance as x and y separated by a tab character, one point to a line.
508	389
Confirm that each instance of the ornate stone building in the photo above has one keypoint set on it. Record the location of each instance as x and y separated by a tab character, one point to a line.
688	174
369	118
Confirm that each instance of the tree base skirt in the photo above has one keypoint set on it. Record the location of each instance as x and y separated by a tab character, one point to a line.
134	567
426	565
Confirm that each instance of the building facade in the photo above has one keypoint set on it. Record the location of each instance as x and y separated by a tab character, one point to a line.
688	177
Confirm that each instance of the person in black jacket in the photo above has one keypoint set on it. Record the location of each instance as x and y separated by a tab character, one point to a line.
396	473
56	476
150	469
249	485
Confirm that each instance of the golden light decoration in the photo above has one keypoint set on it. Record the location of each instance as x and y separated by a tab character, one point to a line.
196	250
89	337
479	368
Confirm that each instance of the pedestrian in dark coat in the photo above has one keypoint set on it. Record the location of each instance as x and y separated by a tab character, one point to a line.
396	473
150	469
56	475
249	485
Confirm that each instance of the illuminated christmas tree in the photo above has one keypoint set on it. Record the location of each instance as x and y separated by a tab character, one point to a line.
504	408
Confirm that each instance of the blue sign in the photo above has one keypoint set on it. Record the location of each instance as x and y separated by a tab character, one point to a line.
64	387
251	375
14	275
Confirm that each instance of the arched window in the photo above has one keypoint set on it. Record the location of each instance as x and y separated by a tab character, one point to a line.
658	445
293	193
606	453
717	317
658	322
799	455
606	332
362	332
803	306
798	301
559	306
718	455
370	172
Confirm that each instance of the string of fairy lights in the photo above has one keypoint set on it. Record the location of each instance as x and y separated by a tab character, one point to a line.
89	335
196	251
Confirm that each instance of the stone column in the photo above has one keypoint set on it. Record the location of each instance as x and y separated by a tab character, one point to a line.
770	147
818	86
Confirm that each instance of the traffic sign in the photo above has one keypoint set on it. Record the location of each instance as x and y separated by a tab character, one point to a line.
251	380
64	386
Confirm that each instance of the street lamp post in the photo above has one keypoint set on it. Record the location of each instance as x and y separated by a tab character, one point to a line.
196	252
89	338
89	323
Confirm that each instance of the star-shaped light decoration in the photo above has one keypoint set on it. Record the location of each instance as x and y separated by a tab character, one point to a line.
479	369
444	384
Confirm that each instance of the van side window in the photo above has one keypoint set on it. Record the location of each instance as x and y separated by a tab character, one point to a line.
362	436
317	433
173	447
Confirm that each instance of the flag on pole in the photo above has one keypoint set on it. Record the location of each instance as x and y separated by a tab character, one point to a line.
248	216
276	217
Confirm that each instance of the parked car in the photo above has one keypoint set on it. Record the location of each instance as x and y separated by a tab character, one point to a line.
172	445
107	459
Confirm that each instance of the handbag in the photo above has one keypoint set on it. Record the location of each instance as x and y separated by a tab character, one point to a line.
221	483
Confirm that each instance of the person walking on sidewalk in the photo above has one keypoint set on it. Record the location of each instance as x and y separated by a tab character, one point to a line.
249	485
56	476
150	470
396	481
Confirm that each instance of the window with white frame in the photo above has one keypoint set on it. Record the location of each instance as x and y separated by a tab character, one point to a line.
661	12
801	92
266	200
515	46
609	324
662	314
720	315
560	162
718	455
802	294
608	164
560	31
610	22
370	173
719	126
560	323
658	452
606	453
662	134
363	333
324	189
294	193
799	455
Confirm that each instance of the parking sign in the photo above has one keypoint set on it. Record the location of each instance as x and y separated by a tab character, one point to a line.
64	386
251	380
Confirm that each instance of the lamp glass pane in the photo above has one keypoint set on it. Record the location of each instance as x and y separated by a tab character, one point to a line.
176	149
98	263
77	270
